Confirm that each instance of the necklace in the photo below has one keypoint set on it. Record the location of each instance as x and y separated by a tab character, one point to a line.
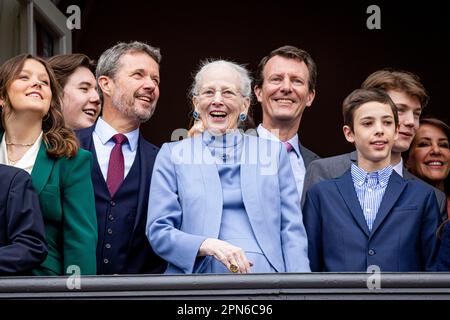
19	144
12	162
9	143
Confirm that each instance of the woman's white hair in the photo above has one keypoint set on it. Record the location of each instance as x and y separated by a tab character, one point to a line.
246	81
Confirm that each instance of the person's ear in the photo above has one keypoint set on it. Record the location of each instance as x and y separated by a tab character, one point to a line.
195	102
258	93
348	133
310	97
246	105
106	84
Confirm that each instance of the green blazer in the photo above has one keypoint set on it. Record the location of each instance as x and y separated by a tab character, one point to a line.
66	196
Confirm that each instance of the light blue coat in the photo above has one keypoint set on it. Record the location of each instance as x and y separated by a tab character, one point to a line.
185	204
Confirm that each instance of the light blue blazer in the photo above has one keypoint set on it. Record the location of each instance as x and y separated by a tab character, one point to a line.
185	204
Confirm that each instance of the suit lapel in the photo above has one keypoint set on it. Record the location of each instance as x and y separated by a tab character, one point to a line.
249	178
408	175
87	143
147	160
353	156
254	205
307	155
42	168
393	190
347	190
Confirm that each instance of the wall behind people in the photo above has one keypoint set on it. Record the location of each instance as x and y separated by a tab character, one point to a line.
412	37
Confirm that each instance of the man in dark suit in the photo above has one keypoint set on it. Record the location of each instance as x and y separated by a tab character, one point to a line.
371	216
285	86
128	79
410	97
443	262
22	236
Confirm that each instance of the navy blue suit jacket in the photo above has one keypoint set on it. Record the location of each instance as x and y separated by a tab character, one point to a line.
140	256
22	236
402	239
444	251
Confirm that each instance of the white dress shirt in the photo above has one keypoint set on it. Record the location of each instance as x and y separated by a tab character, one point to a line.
103	144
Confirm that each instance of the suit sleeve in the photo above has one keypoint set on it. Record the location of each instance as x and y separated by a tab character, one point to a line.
165	215
430	223
444	251
27	247
314	173
442	204
79	216
313	225
293	235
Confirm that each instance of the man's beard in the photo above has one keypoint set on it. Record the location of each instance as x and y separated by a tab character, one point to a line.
125	104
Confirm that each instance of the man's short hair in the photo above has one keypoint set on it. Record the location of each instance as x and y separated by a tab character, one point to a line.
289	52
390	79
361	96
108	63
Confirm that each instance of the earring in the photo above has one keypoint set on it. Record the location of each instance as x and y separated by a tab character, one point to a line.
46	117
242	116
196	115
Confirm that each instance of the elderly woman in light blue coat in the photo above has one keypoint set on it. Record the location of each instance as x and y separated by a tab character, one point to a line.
223	201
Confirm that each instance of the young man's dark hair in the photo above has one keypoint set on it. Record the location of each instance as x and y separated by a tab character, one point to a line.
361	96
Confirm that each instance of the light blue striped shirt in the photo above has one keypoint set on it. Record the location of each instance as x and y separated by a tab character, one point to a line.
370	188
104	144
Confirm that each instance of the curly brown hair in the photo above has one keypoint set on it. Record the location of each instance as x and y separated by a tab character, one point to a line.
59	140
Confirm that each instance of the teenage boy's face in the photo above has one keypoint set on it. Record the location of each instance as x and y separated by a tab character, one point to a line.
374	132
409	110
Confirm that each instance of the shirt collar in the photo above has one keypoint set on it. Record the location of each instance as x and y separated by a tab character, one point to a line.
266	134
230	139
294	143
359	175
105	133
399	167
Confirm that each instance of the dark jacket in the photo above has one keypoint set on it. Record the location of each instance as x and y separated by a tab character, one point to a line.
22	237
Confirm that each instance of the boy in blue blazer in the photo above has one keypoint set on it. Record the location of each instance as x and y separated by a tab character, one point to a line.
370	216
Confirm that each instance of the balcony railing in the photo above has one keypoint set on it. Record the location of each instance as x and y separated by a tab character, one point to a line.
304	286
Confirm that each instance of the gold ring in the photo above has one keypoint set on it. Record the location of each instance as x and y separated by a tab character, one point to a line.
234	268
